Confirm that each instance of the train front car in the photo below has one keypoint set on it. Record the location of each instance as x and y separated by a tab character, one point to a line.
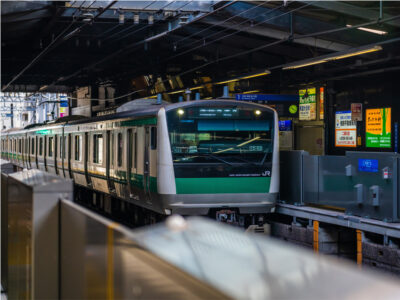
218	158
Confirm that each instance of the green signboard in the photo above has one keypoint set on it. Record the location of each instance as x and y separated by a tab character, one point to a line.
378	128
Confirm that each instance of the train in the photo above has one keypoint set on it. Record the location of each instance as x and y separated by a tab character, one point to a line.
187	158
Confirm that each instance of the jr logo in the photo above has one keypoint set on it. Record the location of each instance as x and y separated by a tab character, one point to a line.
266	173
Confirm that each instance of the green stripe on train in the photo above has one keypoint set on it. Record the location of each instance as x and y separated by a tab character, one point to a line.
219	185
148	121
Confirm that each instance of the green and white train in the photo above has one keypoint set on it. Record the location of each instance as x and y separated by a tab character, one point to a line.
186	158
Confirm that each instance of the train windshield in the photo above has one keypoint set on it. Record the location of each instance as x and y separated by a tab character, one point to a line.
221	135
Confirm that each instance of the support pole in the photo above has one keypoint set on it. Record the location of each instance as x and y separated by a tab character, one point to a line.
315	236
359	247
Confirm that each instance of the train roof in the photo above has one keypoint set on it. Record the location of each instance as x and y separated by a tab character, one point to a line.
150	110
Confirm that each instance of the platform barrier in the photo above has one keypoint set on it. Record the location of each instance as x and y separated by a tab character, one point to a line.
365	184
60	250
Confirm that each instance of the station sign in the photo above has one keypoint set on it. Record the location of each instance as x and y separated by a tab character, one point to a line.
308	104
378	128
285	125
321	102
345	130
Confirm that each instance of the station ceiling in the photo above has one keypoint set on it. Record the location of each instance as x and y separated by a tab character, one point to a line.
58	46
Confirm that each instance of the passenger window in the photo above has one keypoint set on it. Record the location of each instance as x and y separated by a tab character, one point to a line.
153	138
78	146
64	149
50	149
41	146
120	149
135	153
26	145
33	146
112	150
19	146
98	148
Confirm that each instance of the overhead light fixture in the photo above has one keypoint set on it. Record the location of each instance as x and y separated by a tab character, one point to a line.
376	31
251	92
196	88
227	81
267	72
368	50
332	57
136	19
176	92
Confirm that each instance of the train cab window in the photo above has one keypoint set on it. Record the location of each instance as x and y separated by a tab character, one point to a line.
98	148
153	138
32	146
51	145
78	147
40	146
120	149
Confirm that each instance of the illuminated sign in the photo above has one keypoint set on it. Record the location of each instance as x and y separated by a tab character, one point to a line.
368	165
307	107
321	103
345	130
378	128
218	112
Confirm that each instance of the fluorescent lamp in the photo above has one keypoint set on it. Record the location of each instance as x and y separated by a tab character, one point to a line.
267	72
305	64
227	81
333	56
176	92
196	88
373	49
251	92
376	31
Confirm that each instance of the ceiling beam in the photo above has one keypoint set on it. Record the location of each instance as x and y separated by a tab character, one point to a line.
352	10
280	35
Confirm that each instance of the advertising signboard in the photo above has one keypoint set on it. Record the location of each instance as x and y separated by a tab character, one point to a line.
321	102
63	106
345	130
378	128
308	104
356	111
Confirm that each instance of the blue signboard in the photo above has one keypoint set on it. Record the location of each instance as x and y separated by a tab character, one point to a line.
285	125
368	165
9	115
266	97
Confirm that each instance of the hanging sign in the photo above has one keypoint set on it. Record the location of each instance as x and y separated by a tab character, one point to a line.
378	128
307	107
345	130
356	111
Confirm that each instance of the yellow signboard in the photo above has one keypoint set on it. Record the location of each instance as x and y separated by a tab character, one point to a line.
378	127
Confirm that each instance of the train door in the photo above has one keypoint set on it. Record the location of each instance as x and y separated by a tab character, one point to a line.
146	161
110	159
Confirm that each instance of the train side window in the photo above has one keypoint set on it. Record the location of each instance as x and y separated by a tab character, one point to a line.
26	145
120	149
64	148
153	138
60	151
112	150
40	146
33	146
135	153
98	148
50	149
19	146
78	146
